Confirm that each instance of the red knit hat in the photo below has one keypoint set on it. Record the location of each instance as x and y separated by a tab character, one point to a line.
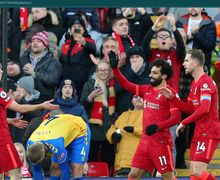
42	36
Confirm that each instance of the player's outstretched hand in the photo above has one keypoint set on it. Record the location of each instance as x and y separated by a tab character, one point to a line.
49	106
179	128
167	92
18	122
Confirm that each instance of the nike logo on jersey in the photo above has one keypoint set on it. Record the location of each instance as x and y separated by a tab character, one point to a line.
163	168
158	96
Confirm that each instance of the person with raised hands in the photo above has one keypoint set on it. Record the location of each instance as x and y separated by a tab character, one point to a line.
155	146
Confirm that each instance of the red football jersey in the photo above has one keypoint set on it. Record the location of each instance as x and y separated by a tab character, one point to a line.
5	101
207	126
9	158
157	109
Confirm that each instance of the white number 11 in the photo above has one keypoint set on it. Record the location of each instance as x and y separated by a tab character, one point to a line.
163	160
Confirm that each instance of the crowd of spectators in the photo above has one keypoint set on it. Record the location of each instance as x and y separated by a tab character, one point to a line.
64	54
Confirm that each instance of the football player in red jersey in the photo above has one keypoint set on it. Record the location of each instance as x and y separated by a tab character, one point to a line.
9	159
202	105
154	149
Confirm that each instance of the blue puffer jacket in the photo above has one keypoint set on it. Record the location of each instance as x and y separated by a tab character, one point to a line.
71	106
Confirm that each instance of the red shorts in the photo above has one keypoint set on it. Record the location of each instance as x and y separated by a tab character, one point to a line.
203	149
9	158
148	157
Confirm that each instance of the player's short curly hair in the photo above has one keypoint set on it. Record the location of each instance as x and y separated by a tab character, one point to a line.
36	152
165	66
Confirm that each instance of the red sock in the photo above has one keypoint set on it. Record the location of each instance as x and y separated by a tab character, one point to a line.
194	177
131	179
207	176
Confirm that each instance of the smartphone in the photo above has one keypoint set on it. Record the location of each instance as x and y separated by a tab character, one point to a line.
77	31
97	87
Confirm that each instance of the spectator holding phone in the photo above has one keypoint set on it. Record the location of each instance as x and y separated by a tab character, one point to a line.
75	54
98	98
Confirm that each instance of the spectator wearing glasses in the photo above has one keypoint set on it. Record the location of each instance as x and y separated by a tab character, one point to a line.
166	48
98	98
169	50
135	70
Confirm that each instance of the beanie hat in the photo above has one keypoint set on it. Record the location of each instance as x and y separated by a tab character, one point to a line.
42	36
15	62
135	50
66	82
78	20
27	82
